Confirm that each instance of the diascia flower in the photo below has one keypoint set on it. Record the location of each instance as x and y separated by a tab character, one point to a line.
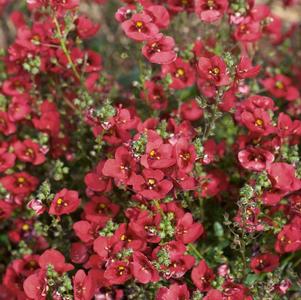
283	177
245	69
255	159
210	10
214	69
151	184
289	238
140	27
86	28
19	108
154	95
187	231
19	183
159	15
266	262
56	259
143	270
180	5
160	49
258	121
182	74
191	111
96	181
281	86
185	154
64	202
158	155
54	4
7	160
118	272
175	291
202	276
6	126
29	151
122	167
84	286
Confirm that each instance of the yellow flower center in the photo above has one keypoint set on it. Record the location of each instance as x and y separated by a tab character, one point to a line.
151	181
59	201
25	227
180	72
139	25
259	122
21	180
279	85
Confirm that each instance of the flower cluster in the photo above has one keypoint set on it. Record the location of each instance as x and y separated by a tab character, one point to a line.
150	150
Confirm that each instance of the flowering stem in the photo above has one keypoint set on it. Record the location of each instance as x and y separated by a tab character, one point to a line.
65	50
193	249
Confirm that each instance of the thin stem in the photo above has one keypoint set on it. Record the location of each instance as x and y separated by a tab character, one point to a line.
65	50
193	249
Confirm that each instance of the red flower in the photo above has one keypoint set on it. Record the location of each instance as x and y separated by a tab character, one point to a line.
96	181
181	72
35	285
117	272
159	15
121	167
160	49
49	121
64	202
258	121
19	183
191	111
255	159
145	226
6	126
100	208
79	253
85	27
283	177
289	238
185	155
140	27
248	31
214	69
174	292
103	246
157	155
245	69
54	4
266	262
84	286
210	10
143	270
7	161
213	183
187	231
152	184
232	290
181	5
154	95
202	276
56	259
280	86
87	231
6	210
19	108
29	151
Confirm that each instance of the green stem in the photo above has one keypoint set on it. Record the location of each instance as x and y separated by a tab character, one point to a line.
193	249
65	50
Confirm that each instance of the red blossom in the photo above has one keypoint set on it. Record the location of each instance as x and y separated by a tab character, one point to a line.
202	276
64	202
